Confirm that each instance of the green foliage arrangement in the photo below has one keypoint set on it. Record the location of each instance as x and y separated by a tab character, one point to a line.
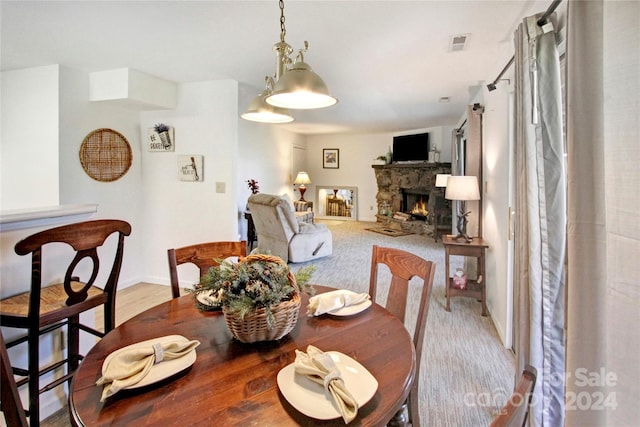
255	282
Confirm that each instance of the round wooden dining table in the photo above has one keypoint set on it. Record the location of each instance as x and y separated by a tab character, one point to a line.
233	383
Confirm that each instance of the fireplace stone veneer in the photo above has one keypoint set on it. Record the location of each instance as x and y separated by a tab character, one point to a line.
394	178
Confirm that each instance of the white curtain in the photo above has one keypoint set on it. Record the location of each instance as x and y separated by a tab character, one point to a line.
603	146
540	218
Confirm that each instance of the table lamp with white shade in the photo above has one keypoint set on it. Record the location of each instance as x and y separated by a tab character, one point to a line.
462	188
302	179
441	179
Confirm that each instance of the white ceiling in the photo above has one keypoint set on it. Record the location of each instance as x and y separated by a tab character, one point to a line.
388	62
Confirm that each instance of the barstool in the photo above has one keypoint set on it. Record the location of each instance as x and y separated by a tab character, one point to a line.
46	308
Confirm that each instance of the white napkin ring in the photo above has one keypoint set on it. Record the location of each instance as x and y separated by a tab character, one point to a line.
333	375
158	353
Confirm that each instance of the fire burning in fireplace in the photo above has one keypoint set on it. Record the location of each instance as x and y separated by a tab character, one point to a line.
419	208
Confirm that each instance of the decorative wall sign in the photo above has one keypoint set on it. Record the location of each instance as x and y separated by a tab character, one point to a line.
190	168
330	158
105	155
161	138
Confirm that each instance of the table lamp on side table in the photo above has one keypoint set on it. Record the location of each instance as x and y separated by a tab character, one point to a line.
462	188
441	179
302	179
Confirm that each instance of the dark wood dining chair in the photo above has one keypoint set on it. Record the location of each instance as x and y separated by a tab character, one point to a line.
516	411
10	402
203	256
46	308
404	266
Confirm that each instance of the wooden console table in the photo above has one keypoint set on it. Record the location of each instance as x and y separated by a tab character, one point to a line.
475	287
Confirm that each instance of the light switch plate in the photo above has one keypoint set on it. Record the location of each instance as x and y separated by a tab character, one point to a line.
220	187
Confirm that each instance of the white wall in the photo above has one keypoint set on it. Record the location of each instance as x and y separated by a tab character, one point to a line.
495	206
357	152
29	149
178	213
75	118
78	117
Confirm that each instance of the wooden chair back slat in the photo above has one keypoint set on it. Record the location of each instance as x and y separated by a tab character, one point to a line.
202	255
404	266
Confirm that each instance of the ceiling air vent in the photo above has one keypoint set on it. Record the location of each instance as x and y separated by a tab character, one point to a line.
458	42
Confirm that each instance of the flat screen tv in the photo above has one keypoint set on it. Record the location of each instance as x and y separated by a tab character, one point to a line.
411	148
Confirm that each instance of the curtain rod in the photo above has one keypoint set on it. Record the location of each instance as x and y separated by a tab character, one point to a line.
461	126
542	21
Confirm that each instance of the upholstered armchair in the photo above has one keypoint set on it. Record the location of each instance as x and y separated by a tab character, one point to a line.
280	233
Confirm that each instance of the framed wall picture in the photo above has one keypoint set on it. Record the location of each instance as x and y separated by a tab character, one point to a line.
330	158
161	138
190	168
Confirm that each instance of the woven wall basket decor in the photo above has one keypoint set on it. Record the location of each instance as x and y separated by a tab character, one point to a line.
105	155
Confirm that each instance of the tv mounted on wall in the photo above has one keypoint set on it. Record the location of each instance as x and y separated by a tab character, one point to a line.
411	148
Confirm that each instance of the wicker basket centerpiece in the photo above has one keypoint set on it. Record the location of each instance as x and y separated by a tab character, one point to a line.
259	296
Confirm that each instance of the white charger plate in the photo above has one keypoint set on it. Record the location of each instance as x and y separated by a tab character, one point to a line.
312	400
206	298
350	310
164	369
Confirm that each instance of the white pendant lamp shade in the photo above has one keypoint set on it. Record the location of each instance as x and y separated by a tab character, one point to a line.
260	111
301	88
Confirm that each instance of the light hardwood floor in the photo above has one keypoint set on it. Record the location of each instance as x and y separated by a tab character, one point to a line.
136	299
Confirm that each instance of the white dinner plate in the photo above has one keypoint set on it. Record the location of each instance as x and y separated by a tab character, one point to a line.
164	369
311	399
350	310
206	298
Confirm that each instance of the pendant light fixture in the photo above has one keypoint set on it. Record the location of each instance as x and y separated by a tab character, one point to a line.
260	111
295	85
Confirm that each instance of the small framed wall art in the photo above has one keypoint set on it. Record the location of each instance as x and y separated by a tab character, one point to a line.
190	168
161	138
330	158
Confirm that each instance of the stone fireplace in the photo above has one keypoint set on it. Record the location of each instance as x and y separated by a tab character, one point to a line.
402	186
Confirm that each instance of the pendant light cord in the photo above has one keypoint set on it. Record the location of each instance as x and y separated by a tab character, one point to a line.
283	30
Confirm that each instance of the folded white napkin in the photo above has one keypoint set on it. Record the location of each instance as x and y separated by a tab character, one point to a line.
329	301
320	368
130	366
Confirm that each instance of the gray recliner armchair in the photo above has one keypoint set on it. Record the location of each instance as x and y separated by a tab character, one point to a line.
280	233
